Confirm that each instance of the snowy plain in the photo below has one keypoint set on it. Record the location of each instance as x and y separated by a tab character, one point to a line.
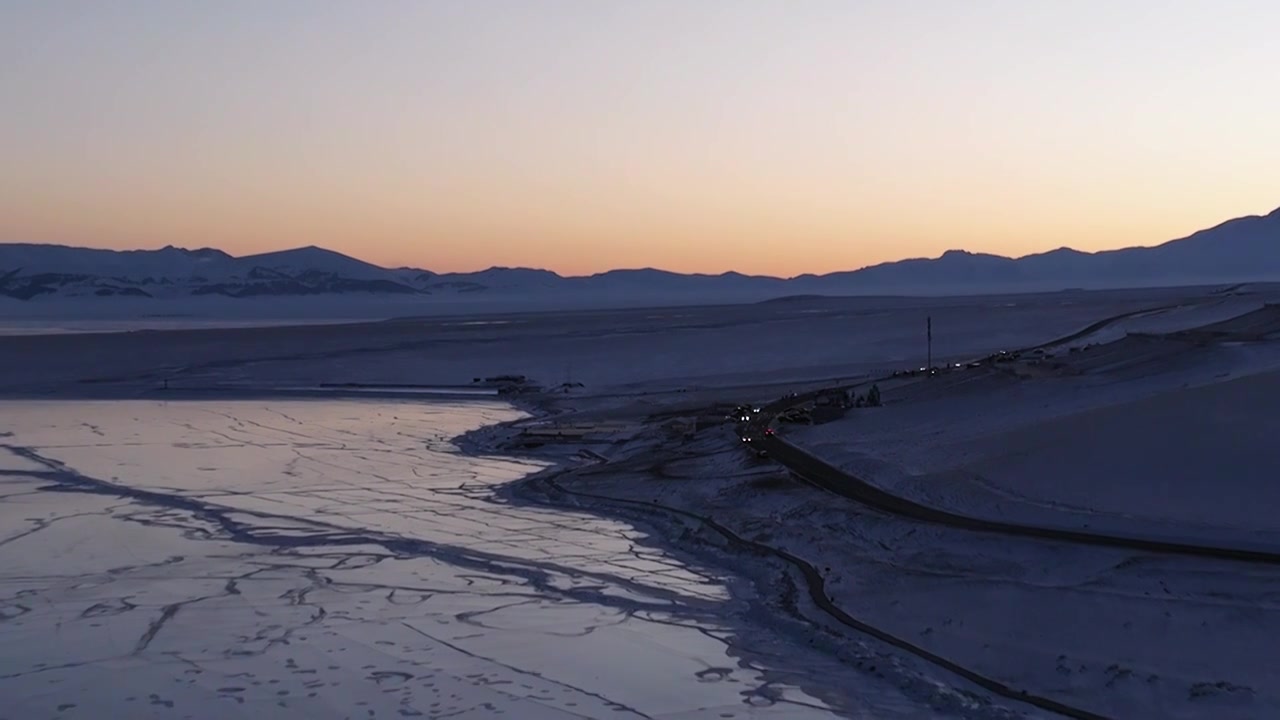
1119	634
609	351
1159	429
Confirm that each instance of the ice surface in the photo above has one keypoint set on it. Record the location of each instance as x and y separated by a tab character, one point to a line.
332	559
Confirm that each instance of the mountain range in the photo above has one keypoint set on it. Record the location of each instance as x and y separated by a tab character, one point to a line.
1240	250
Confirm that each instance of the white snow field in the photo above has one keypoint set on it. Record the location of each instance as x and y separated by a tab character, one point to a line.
1172	432
180	523
641	350
334	559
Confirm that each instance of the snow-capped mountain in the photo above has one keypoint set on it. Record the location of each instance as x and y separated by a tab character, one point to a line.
1240	250
33	271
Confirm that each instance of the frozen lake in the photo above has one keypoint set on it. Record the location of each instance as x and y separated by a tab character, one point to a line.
342	559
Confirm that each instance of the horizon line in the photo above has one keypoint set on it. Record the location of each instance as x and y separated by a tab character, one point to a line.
647	268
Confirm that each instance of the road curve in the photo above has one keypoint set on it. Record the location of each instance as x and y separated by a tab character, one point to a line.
816	584
1095	327
822	474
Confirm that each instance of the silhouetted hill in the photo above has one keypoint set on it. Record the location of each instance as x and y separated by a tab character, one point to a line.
1240	250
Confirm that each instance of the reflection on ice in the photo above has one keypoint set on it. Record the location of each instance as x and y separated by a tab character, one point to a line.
341	559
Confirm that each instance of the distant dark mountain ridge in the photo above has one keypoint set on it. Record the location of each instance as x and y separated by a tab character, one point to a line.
1240	250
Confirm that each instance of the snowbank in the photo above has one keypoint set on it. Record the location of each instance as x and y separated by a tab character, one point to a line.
1126	635
1203	455
1164	433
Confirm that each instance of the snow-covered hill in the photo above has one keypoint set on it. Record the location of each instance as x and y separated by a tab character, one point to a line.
1240	250
30	272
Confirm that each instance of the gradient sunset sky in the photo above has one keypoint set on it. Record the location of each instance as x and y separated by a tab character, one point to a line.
775	137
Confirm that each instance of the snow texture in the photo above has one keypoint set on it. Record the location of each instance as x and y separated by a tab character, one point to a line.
302	542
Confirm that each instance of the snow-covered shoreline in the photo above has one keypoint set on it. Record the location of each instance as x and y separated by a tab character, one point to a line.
321	558
1123	634
779	577
1033	615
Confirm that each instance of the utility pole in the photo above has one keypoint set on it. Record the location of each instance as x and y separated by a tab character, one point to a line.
928	331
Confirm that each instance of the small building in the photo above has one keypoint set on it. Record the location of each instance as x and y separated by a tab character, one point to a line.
835	397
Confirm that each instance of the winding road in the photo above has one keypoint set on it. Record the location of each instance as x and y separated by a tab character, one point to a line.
815	470
548	485
818	472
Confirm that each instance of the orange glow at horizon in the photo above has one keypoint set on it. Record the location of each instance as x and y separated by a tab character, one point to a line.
749	136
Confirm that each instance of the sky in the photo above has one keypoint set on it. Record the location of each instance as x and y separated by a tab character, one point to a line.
771	137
